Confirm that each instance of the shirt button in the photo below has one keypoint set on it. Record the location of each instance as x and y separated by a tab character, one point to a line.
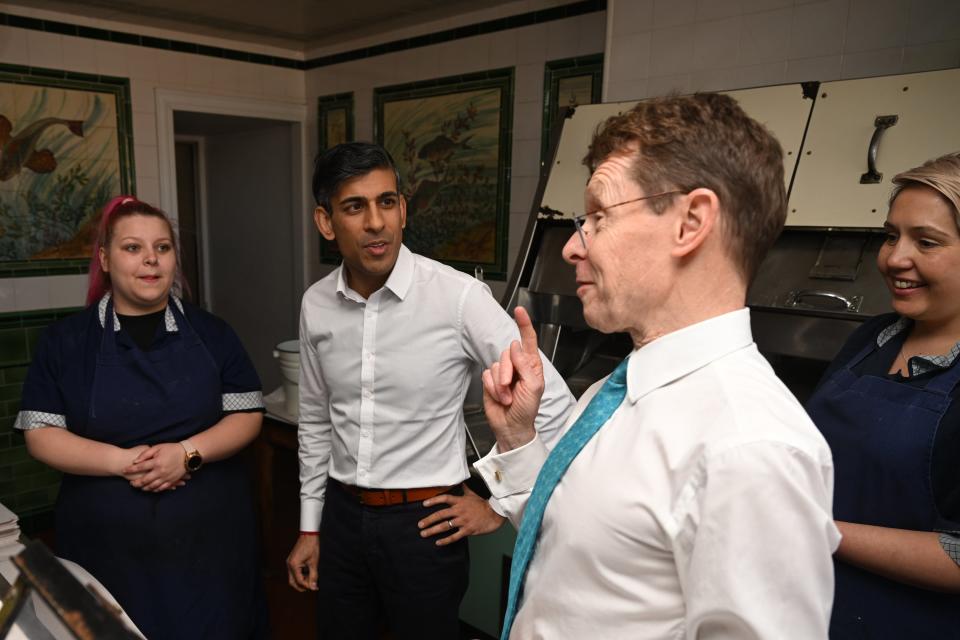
367	393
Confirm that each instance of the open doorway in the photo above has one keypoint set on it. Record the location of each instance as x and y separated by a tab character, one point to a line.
237	224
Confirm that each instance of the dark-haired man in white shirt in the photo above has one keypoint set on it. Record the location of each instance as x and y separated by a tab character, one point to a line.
387	345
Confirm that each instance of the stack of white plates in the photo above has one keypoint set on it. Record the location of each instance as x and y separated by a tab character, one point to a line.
9	533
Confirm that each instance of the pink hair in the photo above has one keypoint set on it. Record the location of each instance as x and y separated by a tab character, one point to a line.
121	207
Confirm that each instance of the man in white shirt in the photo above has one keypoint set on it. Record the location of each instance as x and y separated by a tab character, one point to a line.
693	498
387	345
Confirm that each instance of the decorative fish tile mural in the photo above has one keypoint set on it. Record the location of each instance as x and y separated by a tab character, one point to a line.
452	147
60	161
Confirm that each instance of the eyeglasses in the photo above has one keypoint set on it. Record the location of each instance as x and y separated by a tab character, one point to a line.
579	220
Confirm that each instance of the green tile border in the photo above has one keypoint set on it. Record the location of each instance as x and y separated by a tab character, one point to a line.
39	318
329	254
490	26
120	89
26	268
502	79
556	70
467	31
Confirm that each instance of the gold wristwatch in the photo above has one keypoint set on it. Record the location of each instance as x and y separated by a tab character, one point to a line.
192	460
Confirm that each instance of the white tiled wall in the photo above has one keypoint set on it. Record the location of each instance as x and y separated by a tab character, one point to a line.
49	292
654	46
148	69
527	49
657	46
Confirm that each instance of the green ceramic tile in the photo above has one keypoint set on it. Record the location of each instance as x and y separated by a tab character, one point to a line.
14	374
10	391
28	468
33	499
32	336
13	347
13	455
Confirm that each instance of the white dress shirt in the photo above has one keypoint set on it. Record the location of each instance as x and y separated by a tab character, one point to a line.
382	380
701	509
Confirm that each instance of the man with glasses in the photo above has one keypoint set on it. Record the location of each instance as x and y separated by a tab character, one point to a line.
690	495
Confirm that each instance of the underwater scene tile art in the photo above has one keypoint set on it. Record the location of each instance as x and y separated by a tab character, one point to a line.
60	161
451	144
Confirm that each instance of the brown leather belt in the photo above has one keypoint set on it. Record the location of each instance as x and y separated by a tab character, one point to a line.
388	497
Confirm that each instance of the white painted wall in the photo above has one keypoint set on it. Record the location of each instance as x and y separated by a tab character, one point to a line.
148	71
527	49
651	46
658	46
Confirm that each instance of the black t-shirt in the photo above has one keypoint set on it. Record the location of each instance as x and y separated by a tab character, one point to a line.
142	329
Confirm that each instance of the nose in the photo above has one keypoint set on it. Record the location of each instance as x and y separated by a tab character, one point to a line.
898	255
574	251
374	220
150	256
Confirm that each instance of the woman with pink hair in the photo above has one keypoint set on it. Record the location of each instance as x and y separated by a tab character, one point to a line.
142	400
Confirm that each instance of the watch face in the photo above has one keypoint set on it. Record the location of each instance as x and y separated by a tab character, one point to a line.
194	461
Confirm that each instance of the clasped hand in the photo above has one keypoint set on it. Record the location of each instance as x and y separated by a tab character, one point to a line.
513	386
157	468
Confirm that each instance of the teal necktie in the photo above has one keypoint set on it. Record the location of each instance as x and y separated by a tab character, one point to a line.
599	410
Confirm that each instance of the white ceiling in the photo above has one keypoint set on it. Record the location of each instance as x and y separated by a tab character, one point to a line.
293	24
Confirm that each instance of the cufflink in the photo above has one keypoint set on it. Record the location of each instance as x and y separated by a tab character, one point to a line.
497	475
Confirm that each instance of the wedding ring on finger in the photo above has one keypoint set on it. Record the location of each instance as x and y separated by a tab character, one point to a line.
450	524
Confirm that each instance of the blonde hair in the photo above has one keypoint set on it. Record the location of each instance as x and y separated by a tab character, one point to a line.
940	174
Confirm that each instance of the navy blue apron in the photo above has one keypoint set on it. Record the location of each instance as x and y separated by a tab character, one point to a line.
183	563
881	434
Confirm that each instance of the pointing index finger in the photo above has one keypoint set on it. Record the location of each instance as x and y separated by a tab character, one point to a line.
528	335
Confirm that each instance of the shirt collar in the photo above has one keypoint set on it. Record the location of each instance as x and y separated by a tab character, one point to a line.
682	352
398	282
169	321
919	364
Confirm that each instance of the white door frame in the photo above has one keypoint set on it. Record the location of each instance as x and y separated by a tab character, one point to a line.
200	142
168	101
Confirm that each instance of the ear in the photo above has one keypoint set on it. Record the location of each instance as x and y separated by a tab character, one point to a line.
324	224
403	212
104	261
698	219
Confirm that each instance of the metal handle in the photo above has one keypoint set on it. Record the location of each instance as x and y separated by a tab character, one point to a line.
795	298
478	273
881	124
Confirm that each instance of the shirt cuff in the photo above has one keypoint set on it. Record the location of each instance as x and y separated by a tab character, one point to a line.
249	401
310	510
27	420
951	544
512	472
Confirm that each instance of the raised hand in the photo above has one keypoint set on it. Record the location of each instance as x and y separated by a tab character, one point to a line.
513	386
